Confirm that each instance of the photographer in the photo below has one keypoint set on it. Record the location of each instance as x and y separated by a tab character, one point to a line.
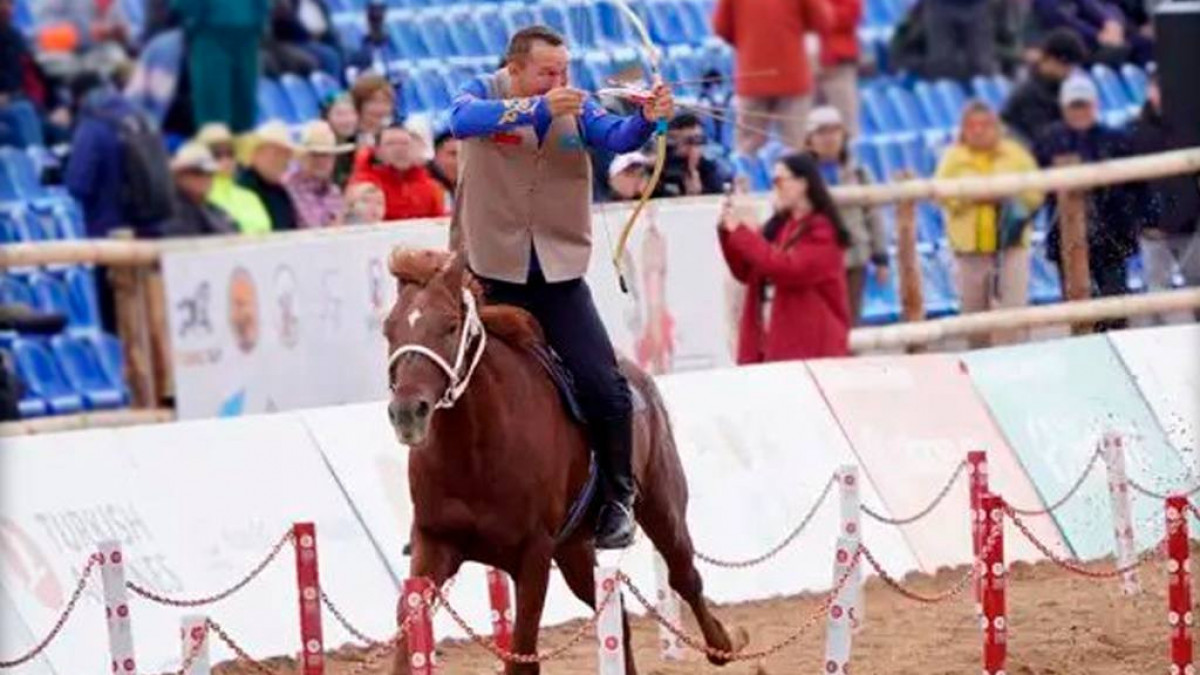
688	172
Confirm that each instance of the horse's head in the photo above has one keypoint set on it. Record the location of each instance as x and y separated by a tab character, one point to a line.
434	336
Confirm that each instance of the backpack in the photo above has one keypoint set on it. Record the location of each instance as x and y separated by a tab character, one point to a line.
146	188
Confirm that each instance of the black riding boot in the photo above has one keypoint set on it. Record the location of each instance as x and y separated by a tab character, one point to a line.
615	525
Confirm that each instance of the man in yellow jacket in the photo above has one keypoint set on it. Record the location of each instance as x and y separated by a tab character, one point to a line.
990	239
244	206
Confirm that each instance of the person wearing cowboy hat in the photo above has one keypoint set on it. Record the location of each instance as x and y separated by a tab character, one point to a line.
270	151
192	169
242	205
317	198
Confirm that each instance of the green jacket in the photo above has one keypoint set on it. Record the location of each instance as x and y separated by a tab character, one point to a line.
202	14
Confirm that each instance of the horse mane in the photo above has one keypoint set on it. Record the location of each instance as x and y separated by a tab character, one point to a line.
512	325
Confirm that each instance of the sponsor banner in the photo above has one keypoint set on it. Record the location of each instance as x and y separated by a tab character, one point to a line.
911	420
1054	401
296	321
195	507
1165	366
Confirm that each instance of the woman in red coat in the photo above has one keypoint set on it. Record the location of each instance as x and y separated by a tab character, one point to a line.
793	269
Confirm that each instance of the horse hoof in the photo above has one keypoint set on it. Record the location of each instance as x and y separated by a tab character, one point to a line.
738	641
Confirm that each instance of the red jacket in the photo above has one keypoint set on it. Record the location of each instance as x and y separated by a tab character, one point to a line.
839	43
810	313
411	193
768	36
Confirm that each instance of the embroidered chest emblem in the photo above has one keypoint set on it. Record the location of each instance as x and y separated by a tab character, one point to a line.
514	108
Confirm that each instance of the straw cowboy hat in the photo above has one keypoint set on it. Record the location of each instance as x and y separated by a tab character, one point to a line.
194	156
272	132
214	133
317	138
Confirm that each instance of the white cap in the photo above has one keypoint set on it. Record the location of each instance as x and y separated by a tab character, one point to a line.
825	116
194	156
627	160
1078	88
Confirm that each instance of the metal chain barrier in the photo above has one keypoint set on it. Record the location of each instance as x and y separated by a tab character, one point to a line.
743	655
1075	567
743	564
349	627
1147	492
237	649
584	631
923	512
954	591
1066	497
200	602
80	585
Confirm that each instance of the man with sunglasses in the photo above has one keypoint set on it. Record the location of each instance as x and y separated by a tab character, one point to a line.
244	206
688	172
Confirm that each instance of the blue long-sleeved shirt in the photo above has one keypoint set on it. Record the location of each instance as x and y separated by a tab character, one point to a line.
474	114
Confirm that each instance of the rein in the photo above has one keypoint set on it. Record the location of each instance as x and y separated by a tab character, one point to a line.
457	378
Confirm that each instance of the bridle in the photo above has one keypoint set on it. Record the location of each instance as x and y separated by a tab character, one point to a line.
473	334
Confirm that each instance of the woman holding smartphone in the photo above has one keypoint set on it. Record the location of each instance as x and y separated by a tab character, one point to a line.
793	267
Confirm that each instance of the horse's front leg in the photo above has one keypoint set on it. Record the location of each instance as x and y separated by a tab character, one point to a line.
531	581
435	561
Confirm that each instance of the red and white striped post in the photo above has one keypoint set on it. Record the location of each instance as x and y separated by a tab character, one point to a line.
501	602
977	473
1179	586
839	627
421	658
610	633
992	588
1113	451
193	634
851	527
308	583
668	606
116	608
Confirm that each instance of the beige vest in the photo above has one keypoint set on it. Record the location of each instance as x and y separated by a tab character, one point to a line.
513	194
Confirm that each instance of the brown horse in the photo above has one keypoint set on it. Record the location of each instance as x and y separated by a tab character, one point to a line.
495	460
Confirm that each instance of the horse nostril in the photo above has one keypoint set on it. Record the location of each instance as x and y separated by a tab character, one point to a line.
422	409
393	412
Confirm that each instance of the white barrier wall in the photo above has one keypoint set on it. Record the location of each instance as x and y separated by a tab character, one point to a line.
294	322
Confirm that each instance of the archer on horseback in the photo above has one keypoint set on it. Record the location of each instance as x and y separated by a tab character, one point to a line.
522	214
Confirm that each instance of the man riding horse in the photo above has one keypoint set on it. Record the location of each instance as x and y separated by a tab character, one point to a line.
522	214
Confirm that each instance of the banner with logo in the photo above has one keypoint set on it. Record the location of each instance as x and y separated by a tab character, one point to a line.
911	420
294	321
1054	402
196	506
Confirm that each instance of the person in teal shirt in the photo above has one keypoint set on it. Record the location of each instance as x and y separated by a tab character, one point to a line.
223	39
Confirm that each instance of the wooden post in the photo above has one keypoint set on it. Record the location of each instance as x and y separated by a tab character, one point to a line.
309	585
1073	247
133	328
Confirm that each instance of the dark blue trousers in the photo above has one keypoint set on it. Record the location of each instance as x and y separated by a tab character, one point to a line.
575	332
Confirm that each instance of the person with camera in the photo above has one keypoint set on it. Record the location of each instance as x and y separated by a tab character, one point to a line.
687	171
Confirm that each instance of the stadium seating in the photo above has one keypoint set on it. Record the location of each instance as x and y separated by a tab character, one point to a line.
83	370
43	376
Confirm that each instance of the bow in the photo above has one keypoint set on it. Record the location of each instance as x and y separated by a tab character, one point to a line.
660	132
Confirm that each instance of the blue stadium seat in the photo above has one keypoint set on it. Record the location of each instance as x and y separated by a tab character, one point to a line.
1003	85
272	104
350	36
770	153
907	110
40	371
19	167
986	89
881	303
51	294
55	218
584	24
1136	83
517	15
718	56
110	354
28	405
82	297
868	154
696	20
554	15
12	224
300	97
465	34
953	98
932	105
878	14
437	85
688	66
931	226
614	28
436	31
667	23
599	67
1112	93
752	167
81	367
405	31
23	16
324	86
937	282
41	224
492	28
15	290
